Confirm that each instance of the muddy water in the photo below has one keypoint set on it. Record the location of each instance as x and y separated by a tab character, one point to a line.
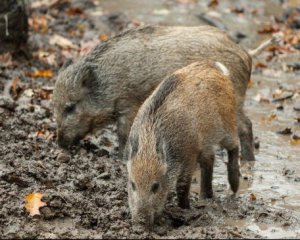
275	176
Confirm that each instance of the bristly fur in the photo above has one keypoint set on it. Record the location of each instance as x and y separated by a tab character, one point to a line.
177	126
130	66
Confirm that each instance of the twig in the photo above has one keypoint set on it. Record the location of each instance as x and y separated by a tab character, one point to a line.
236	234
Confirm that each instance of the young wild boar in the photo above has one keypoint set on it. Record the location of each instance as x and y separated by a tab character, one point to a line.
110	83
189	113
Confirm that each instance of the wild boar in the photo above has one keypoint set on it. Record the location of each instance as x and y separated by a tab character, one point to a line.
111	82
187	115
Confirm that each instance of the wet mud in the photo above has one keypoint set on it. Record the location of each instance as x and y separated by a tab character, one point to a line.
86	189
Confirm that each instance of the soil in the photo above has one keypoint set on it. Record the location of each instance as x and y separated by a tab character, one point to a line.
86	188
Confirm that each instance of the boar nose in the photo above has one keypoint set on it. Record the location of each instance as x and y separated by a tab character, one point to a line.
61	140
146	219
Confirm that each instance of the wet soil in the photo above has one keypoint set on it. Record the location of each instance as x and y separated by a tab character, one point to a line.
85	189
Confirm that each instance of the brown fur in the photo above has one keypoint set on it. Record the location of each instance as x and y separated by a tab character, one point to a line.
114	79
177	126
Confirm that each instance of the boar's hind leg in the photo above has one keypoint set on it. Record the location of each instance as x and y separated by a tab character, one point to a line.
183	189
246	137
206	161
233	167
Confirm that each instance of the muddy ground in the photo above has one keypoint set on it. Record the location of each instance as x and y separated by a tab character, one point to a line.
85	189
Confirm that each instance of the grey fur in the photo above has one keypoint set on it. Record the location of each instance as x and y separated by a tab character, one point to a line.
130	66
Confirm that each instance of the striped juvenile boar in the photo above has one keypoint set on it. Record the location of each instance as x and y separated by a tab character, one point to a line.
189	113
110	83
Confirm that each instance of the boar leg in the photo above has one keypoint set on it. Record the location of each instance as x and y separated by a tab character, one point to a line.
124	123
233	168
246	137
206	161
183	189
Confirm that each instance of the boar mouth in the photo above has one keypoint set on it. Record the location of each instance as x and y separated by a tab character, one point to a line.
66	143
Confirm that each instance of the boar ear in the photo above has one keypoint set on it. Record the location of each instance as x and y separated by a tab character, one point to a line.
87	76
66	64
131	148
162	150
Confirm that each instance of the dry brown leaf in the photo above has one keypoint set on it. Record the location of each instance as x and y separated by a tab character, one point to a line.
46	56
250	83
38	23
269	118
252	197
213	3
34	203
269	29
295	139
186	1
103	37
237	10
72	11
42	73
14	85
62	42
43	3
6	60
261	98
260	65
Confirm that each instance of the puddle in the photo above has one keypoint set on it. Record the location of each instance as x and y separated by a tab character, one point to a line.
264	230
274	177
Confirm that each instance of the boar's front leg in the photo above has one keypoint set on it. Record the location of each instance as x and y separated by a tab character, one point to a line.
124	123
233	168
183	189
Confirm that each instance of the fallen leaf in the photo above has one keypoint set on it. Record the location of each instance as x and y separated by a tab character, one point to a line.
282	94
269	118
261	98
295	139
40	134
237	10
6	60
43	3
14	85
46	56
252	197
43	93
72	11
269	29
213	3
103	37
38	23
186	1
260	65
250	83
286	131
42	73
293	66
62	42
34	203
86	47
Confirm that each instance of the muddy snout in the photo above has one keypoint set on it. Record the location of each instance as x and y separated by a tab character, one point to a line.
65	141
143	217
146	222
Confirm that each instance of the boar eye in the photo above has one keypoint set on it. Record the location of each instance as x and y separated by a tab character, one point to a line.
132	186
155	187
70	108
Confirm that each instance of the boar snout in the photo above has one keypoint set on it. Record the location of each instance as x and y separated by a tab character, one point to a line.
144	217
66	142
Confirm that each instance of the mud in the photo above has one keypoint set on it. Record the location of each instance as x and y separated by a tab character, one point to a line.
85	189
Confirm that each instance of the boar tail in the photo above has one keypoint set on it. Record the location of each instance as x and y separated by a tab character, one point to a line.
257	51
